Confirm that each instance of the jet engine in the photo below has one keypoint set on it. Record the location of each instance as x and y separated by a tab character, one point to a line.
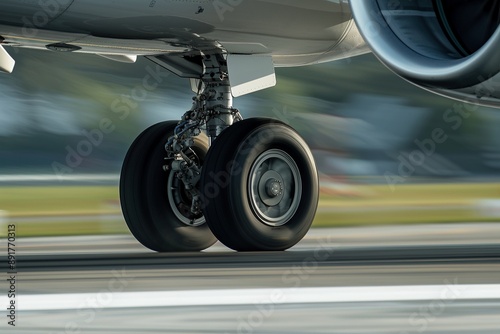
451	47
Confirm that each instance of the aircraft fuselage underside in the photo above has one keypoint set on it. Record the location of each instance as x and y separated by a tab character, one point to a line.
294	32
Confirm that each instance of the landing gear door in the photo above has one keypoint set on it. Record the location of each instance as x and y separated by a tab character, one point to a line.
250	73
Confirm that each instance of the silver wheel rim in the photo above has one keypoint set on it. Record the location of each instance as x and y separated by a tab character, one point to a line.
275	187
176	199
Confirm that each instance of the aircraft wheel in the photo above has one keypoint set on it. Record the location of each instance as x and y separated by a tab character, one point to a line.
155	204
260	186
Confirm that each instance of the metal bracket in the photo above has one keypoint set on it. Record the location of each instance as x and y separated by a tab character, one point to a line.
184	67
129	59
6	61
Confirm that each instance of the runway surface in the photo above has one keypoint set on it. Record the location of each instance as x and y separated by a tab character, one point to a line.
424	279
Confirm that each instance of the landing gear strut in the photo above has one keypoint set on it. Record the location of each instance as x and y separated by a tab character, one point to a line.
256	188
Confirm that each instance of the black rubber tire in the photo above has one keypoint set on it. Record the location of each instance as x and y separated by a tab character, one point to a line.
225	184
144	195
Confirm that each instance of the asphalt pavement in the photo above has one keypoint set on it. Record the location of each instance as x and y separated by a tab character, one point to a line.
415	279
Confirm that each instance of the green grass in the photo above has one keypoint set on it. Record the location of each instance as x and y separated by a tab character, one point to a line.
25	205
49	201
361	205
422	203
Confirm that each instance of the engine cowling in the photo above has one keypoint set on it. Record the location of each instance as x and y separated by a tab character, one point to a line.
451	47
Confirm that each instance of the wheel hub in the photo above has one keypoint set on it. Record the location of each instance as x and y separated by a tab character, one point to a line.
180	201
271	188
275	187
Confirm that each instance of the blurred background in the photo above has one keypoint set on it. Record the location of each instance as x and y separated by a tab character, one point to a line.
387	152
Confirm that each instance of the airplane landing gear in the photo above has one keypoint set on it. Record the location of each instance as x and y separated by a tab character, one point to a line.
255	189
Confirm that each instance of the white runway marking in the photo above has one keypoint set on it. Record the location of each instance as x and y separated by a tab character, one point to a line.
106	299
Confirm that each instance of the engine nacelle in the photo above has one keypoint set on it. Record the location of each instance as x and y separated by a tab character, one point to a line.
451	47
